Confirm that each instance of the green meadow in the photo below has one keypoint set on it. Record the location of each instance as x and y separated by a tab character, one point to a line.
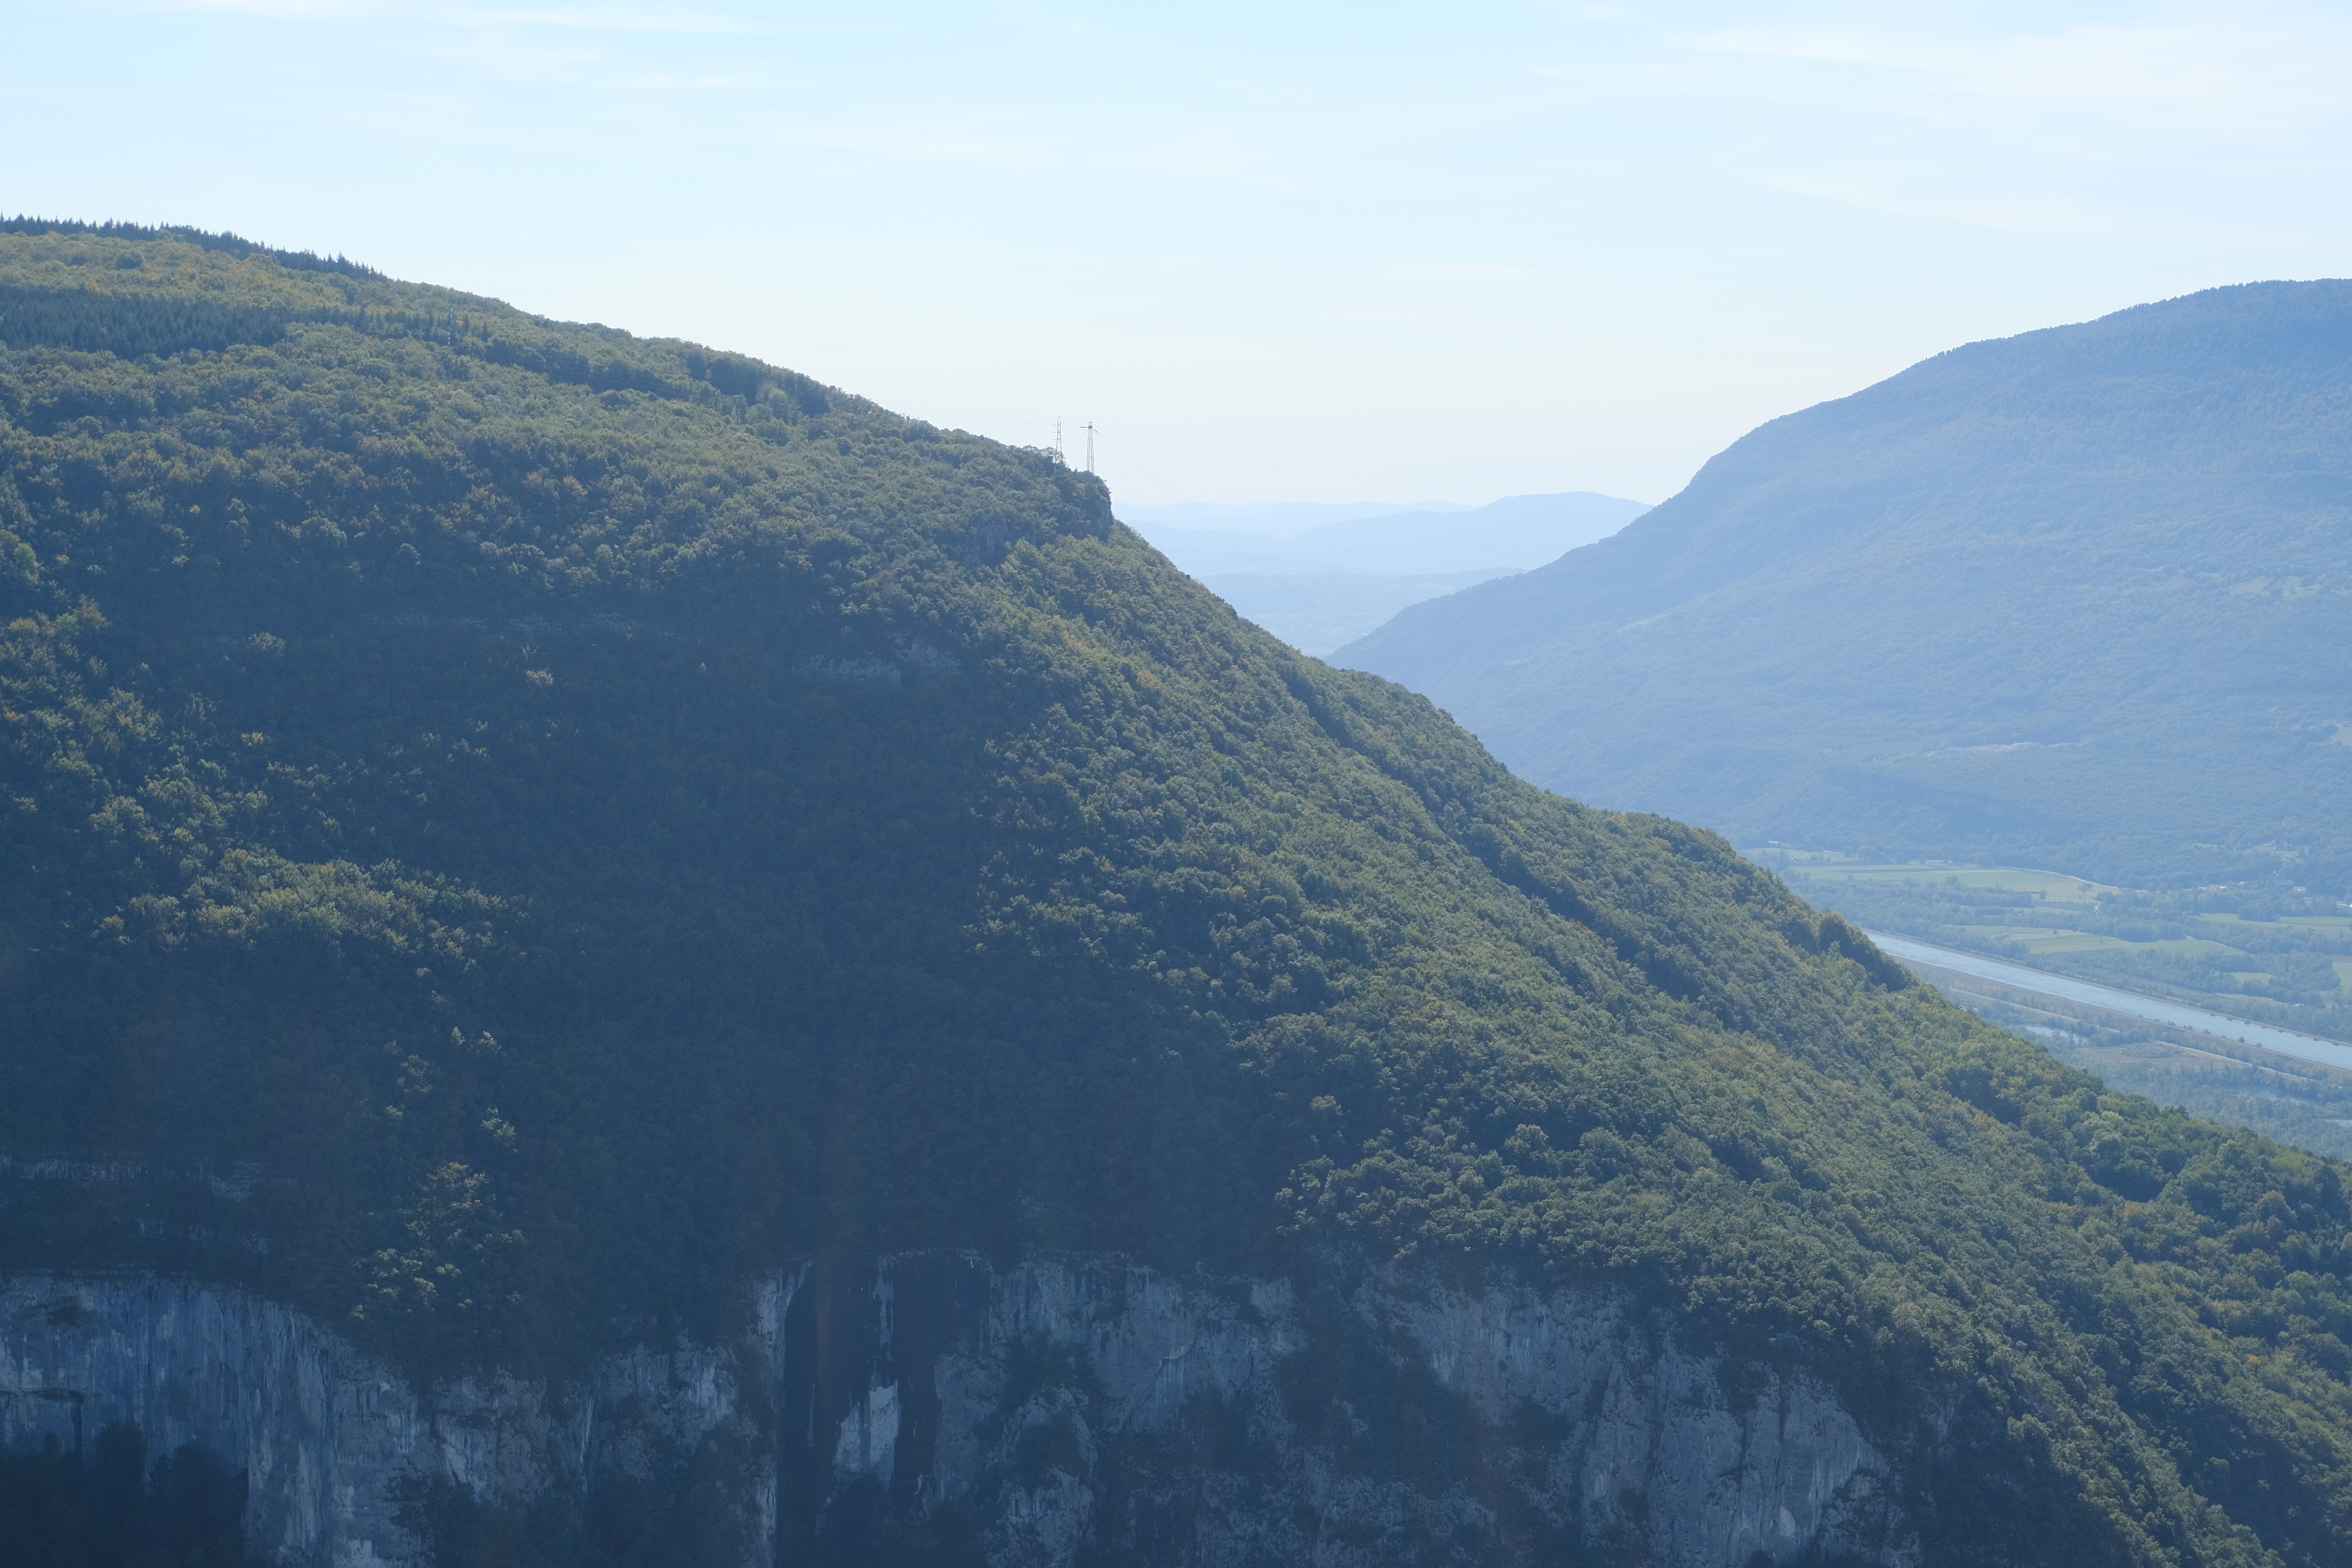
2051	885
2024	913
2041	939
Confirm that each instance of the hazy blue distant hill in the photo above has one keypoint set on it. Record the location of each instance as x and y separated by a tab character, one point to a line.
2076	598
1280	518
1518	531
1314	611
1324	586
1510	534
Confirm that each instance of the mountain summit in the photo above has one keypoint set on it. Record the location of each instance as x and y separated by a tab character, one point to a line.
614	955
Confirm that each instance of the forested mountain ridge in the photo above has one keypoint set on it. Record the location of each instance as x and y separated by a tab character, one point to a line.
2072	598
509	848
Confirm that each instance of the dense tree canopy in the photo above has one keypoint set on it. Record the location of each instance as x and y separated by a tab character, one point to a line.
508	841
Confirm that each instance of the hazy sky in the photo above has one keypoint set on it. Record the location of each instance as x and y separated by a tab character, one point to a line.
1275	252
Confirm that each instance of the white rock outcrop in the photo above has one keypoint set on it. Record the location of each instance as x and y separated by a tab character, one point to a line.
327	1437
1052	1408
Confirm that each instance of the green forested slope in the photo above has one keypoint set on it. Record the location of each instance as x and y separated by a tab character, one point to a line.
513	828
2074	598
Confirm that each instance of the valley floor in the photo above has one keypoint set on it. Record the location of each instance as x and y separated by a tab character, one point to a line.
2227	1012
1965	968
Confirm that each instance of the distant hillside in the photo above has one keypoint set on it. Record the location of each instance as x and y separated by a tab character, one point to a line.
2073	598
1318	587
1518	531
1511	534
517	832
1314	611
1278	518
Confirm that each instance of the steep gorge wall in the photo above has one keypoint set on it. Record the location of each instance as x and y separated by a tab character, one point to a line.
331	1441
1031	1416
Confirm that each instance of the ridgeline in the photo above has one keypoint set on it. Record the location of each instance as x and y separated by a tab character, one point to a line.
515	828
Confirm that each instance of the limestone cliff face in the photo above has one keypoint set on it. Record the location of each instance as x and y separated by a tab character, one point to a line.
1030	1415
330	1441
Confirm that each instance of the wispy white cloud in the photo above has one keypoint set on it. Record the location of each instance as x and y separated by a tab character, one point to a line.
281	10
1466	272
1027	145
2264	73
666	20
606	73
662	20
1907	193
2024	129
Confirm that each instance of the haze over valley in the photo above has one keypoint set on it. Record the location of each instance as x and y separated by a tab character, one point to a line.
1332	580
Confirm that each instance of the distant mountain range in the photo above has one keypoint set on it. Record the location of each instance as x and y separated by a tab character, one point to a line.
1329	583
1281	518
2076	598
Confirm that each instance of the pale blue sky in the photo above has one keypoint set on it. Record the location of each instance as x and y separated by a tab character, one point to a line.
1276	252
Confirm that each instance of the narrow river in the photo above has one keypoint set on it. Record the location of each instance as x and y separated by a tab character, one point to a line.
2286	1042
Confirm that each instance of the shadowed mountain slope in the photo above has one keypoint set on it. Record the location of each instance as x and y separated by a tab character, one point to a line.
515	829
2074	597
